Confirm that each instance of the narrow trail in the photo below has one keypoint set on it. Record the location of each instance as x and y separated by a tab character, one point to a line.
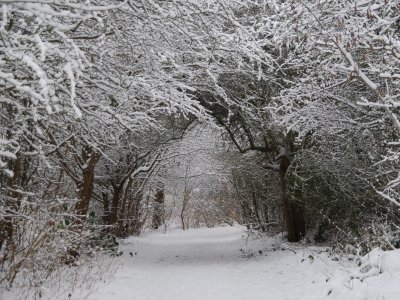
214	263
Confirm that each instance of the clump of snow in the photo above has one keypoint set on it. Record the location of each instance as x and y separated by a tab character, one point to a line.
377	277
70	73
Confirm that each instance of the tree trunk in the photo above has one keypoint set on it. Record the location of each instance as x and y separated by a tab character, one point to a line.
85	187
185	203
106	207
113	216
293	213
256	210
159	210
12	202
183	220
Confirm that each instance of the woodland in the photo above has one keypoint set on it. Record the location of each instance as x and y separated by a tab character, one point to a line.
123	116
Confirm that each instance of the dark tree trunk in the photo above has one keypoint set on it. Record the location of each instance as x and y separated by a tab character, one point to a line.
85	187
298	217
183	220
158	213
183	211
293	213
12	206
113	216
106	207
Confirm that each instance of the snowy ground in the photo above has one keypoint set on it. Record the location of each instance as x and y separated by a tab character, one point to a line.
208	264
221	263
224	263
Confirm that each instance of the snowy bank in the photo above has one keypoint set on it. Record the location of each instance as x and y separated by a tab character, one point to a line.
377	277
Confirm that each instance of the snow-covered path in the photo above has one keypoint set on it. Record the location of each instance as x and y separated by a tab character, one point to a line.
222	264
215	264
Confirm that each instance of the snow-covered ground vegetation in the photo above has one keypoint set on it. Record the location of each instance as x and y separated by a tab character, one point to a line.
124	116
228	263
